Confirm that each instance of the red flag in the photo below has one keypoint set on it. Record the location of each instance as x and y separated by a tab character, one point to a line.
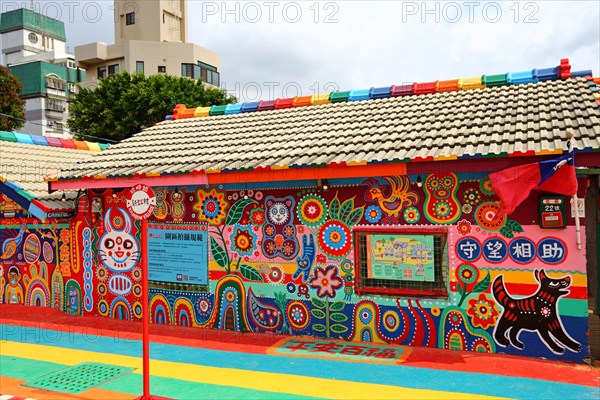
513	185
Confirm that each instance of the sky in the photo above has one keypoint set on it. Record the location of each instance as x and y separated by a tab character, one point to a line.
273	48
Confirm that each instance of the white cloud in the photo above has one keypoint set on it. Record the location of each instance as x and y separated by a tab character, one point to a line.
375	43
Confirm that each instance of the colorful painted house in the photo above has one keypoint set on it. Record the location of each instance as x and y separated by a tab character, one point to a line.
365	215
38	265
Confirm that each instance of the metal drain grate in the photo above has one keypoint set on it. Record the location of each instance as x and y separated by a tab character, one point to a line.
77	378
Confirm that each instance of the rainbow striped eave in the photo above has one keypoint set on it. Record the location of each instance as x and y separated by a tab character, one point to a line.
27	138
28	202
562	71
25	199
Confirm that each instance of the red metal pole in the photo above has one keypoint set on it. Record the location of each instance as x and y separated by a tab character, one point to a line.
145	313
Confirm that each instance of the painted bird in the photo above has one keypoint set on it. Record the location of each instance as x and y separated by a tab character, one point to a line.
400	195
10	246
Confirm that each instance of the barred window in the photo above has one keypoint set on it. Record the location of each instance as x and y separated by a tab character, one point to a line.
402	262
55	105
130	18
55	83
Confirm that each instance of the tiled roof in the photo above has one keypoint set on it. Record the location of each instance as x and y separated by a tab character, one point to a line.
26	159
502	121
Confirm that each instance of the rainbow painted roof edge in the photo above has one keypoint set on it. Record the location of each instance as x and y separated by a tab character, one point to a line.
27	138
562	71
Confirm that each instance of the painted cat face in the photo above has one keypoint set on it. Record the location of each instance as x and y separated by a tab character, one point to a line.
278	213
119	250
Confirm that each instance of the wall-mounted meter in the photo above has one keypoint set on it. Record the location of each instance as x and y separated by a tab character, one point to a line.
553	212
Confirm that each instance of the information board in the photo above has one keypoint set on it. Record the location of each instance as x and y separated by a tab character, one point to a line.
400	257
177	254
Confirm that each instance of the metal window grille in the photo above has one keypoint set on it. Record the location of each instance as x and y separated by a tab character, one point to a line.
130	18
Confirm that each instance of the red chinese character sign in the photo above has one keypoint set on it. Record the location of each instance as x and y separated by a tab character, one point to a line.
141	201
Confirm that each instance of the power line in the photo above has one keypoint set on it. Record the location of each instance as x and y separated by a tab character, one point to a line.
66	130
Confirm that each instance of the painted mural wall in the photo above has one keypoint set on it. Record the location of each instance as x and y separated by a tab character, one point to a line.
36	261
283	259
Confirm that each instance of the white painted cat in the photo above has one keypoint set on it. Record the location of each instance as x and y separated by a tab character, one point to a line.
119	250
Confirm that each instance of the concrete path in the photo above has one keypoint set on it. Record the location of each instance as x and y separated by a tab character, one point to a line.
205	364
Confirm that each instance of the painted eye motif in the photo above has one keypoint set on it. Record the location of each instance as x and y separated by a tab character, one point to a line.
127	244
447	182
553	284
109	243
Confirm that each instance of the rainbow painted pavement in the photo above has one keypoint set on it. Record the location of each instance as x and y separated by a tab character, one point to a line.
97	358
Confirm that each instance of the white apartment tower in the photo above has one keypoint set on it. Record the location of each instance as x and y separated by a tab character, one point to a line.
150	37
34	50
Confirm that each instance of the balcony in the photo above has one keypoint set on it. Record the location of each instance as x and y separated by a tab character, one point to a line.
91	53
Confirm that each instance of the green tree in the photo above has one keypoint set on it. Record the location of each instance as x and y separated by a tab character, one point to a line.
10	103
123	104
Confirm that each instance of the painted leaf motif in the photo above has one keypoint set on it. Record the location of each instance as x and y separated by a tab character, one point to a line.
337	305
460	288
339	317
355	216
319	327
280	297
236	211
346	209
318	303
218	253
334	208
337	328
482	285
507	233
250	273
514	226
317	313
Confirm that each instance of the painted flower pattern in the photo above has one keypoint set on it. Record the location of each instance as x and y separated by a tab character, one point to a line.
243	240
211	206
312	210
545	311
485	185
467	273
412	215
482	311
472	196
487	216
335	238
270	230
326	281
373	214
257	216
442	209
204	305
463	227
